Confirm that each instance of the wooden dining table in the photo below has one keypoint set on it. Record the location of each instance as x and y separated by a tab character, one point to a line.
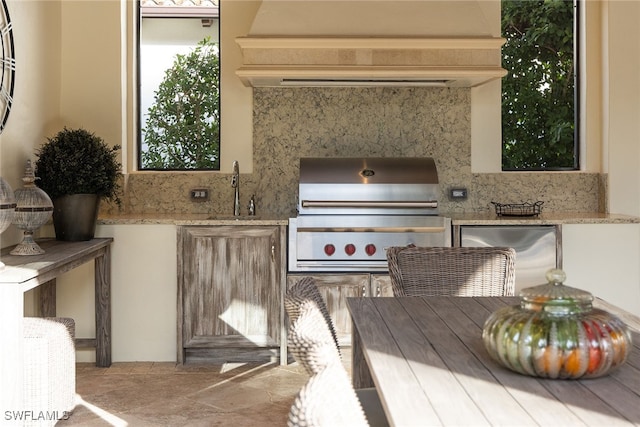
426	358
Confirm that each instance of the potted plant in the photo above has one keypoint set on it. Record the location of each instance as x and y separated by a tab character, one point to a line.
77	169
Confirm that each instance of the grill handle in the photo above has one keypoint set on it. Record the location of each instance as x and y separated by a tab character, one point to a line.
400	229
367	204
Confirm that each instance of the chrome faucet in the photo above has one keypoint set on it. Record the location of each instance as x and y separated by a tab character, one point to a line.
235	183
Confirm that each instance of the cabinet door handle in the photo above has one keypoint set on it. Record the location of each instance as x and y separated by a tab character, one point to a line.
364	291
273	252
378	292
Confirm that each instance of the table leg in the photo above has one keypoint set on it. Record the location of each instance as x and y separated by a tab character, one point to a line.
103	308
359	368
284	353
47	298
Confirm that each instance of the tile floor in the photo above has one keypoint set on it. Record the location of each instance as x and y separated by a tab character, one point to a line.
163	394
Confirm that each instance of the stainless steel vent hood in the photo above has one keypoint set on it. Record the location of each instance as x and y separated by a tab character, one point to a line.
373	43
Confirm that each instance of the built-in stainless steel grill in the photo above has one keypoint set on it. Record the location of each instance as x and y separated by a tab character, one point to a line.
351	209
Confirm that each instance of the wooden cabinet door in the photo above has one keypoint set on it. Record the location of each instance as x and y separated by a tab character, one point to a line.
335	289
229	287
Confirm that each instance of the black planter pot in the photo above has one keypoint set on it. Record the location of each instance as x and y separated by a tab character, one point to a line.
75	216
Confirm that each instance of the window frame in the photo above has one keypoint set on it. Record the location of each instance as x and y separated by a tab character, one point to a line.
577	16
194	12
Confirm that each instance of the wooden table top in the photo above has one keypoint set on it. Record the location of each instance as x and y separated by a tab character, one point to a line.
59	256
428	362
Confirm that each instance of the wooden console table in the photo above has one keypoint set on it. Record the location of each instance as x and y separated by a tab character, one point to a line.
23	273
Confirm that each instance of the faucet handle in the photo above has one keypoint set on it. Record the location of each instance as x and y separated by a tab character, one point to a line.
252	205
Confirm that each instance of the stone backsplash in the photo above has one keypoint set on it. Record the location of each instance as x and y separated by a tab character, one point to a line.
290	123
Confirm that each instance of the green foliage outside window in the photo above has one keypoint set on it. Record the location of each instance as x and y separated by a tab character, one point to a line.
182	129
538	94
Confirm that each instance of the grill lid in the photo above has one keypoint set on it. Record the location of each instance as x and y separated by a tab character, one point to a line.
369	186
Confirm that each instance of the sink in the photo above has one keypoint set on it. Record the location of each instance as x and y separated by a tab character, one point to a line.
233	217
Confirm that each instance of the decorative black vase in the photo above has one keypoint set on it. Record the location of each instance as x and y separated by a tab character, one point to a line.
75	216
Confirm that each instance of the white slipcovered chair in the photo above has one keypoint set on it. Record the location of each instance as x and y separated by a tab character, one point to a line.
49	378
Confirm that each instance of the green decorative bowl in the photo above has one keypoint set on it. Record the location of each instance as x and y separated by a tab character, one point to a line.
556	333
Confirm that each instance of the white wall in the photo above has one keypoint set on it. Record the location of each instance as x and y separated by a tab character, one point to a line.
603	259
91	68
623	113
236	138
143	294
36	28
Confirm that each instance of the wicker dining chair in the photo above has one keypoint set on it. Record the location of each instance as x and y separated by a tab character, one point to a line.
312	341
327	400
305	290
340	404
452	271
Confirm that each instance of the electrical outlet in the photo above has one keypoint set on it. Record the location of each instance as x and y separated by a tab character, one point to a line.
199	195
458	193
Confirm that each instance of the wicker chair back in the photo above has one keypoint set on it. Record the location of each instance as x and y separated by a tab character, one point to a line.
301	292
452	271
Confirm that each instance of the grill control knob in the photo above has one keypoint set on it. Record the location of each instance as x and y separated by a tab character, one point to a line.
370	249
329	249
350	249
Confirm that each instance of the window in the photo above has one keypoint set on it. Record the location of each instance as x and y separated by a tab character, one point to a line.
179	85
539	93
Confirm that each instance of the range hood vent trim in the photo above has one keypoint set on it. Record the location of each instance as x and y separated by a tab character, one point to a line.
262	42
352	76
369	61
361	83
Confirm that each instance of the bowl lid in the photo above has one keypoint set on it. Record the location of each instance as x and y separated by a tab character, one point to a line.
556	297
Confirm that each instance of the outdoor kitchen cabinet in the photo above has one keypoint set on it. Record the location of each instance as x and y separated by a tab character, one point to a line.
231	282
336	288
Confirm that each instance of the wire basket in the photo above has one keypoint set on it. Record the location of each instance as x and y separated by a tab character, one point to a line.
518	209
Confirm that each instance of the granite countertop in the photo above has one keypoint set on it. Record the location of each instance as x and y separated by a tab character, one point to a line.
190	219
545	218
